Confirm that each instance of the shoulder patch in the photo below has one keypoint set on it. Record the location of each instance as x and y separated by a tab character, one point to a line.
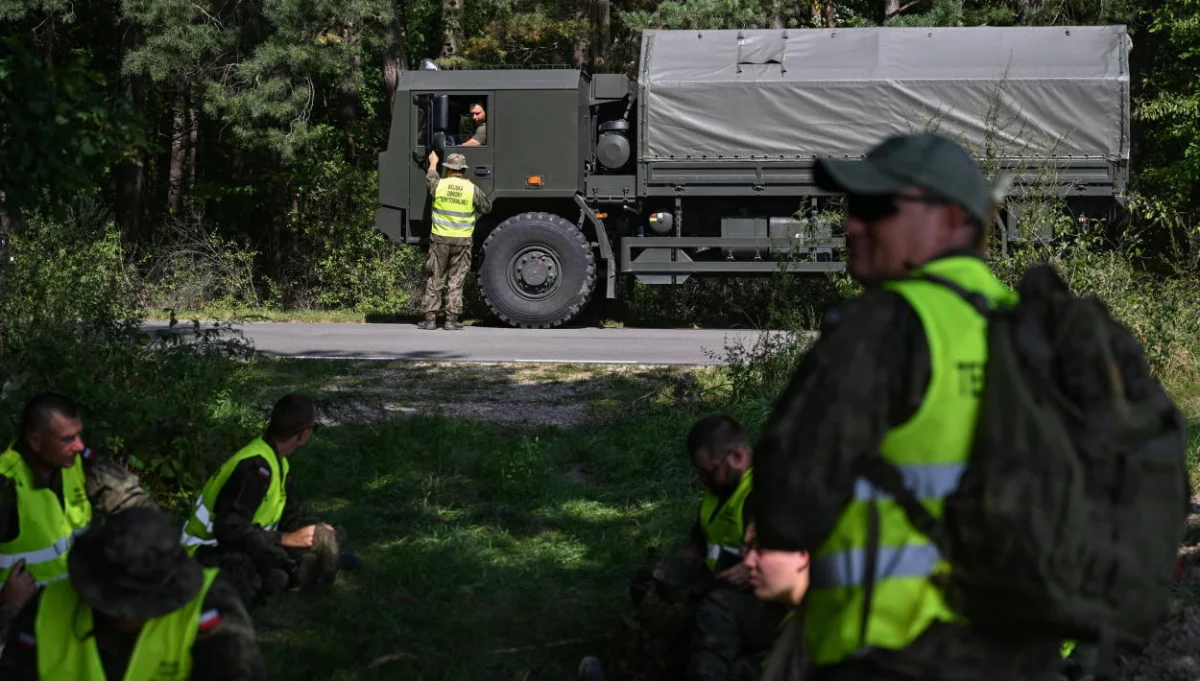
209	619
27	641
264	473
88	454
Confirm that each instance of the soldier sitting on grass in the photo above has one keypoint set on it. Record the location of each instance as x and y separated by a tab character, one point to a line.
135	606
250	521
697	617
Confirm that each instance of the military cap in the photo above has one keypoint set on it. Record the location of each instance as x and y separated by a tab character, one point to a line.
456	162
131	565
930	161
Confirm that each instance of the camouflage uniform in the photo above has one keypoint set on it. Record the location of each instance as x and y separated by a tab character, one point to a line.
110	488
254	559
449	256
688	627
732	635
652	643
867	373
224	650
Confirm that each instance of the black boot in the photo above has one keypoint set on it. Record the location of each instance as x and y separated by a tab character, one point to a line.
452	323
430	322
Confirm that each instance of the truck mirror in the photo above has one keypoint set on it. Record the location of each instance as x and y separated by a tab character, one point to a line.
440	115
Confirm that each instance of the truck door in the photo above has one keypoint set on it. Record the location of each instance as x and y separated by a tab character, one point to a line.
458	123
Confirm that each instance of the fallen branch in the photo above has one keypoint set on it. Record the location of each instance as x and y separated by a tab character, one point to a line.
900	10
542	646
390	658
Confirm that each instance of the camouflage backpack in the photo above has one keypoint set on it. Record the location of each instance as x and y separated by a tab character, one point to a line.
1066	521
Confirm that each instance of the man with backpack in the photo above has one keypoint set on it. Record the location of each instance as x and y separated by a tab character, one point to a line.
977	473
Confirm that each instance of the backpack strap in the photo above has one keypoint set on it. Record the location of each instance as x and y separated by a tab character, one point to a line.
887	477
974	299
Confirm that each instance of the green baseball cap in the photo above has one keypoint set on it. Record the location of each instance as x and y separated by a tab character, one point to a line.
930	161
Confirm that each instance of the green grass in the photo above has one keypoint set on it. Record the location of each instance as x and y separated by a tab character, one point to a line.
479	538
492	551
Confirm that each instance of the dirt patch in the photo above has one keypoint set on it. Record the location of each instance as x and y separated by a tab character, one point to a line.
543	395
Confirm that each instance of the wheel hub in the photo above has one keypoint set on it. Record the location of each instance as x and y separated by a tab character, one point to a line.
535	272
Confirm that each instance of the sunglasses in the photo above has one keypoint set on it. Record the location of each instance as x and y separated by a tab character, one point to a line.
875	207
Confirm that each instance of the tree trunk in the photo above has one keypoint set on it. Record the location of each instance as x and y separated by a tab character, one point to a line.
580	56
829	18
193	132
601	24
350	96
890	9
776	14
394	63
452	31
175	172
131	174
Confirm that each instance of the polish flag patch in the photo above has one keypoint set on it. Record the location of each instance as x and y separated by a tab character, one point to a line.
87	454
209	619
264	473
26	641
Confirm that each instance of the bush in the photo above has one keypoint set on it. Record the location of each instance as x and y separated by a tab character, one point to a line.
1154	293
69	322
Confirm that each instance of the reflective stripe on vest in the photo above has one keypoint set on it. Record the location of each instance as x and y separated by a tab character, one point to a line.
163	651
723	524
47	530
454	207
198	531
931	449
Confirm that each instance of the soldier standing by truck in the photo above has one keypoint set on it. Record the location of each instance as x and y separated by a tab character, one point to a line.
456	203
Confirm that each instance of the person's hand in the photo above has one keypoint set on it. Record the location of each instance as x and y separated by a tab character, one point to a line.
300	539
19	587
433	159
737	575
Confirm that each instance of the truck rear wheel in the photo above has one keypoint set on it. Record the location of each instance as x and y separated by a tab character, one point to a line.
538	271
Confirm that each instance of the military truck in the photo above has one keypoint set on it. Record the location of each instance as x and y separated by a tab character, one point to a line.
703	165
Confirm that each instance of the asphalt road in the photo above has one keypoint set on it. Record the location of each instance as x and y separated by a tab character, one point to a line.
491	344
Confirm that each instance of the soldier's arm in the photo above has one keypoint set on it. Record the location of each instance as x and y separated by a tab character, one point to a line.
110	487
225	648
431	180
295	512
483	205
862	377
18	661
233	514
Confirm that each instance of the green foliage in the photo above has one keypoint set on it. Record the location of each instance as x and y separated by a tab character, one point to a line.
1170	104
59	132
69	323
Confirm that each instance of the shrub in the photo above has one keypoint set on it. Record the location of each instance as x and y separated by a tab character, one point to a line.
69	322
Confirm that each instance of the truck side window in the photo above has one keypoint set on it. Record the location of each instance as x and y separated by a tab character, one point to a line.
472	114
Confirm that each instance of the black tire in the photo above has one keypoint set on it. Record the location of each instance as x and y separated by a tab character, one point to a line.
537	271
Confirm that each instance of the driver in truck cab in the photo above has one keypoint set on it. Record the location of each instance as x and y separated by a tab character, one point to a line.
457	201
479	117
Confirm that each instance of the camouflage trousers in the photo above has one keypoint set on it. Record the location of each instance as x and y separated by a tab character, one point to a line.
731	635
306	567
686	629
448	257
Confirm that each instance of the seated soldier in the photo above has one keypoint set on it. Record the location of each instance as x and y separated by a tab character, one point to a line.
716	629
135	606
50	485
250	521
780	577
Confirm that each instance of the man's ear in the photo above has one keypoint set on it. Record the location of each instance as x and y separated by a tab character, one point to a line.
34	438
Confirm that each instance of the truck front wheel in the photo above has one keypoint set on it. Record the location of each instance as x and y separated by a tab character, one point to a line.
537	271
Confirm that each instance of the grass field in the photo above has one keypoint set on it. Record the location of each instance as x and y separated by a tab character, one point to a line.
499	519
